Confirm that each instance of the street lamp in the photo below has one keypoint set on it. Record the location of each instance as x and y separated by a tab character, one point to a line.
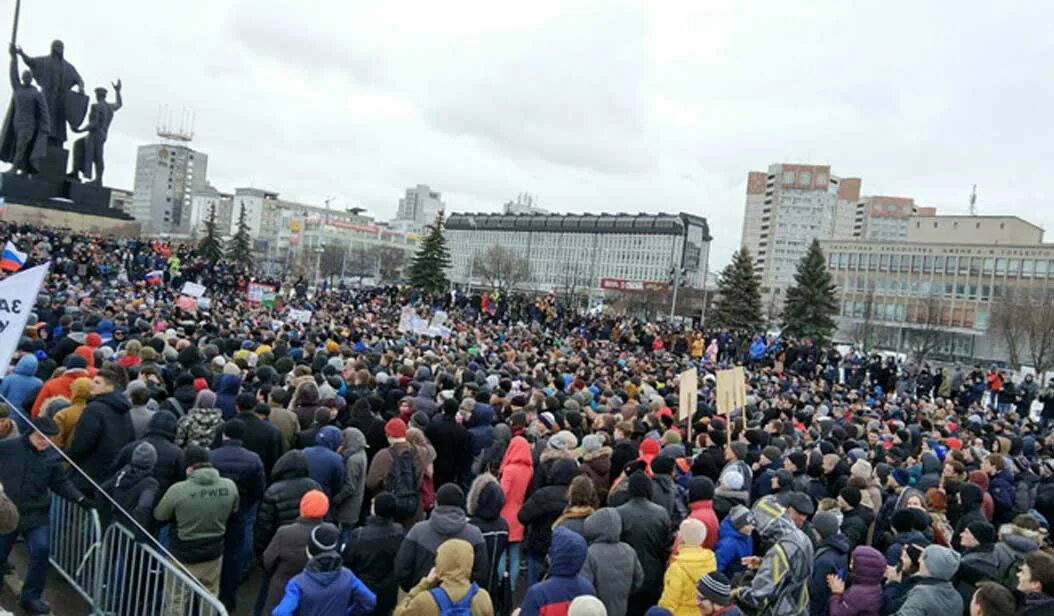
321	248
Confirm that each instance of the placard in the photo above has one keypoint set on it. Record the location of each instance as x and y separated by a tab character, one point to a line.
193	289
688	388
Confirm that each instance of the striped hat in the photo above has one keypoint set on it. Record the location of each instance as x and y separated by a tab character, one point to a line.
715	587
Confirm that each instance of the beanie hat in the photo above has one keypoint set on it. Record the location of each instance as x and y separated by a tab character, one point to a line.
46	426
733	480
450	495
314	504
700	489
715	587
739	449
195	455
384	505
547	420
144	456
851	496
941	562
591	443
692	532
662	465
639	486
586	605
861	468
903	520
800	502
419	420
825	523
671	437
983	532
324	538
395	428
74	362
234	429
740	516
772	453
649	447
798	459
784	477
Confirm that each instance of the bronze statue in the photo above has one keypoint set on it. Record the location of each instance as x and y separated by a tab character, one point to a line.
56	77
27	124
88	151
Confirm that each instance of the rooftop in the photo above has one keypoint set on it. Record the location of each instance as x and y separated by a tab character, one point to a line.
657	224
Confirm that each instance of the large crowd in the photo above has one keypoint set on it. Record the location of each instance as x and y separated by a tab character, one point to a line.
523	457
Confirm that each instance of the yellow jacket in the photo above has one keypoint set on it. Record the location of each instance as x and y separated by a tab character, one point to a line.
678	590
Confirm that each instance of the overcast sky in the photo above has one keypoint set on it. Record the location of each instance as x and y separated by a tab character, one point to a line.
590	106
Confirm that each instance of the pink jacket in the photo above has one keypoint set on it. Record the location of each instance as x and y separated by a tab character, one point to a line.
517	469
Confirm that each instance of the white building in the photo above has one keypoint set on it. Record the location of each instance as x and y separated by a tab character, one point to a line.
592	253
206	201
166	177
418	208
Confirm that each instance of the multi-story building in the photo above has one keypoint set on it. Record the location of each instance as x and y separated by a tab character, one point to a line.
885	218
938	286
210	202
418	208
166	176
589	252
524	204
121	199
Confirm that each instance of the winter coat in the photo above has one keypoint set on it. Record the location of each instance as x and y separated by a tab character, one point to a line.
597	466
67	418
665	493
980	479
135	491
199	508
243	467
553	596
931	596
227	388
544	506
478	425
969	510
281	500
324	464
170	466
896	546
646	528
418	551
198	427
624	451
855	523
690	564
977	565
731	546
453	571
485	502
1014	544
453	458
261	438
832	556
1001	487
29	477
516	472
704	512
102	431
371	550
348	502
863	597
286	556
58	386
21	382
380	472
780	585
725	500
611	565
326	587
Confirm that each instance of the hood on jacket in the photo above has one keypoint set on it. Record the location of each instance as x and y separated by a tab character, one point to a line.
930	463
519	452
292	465
1019	538
324	568
501	434
838	542
603	525
454	563
486	498
353	442
80	390
447	520
204	476
163	424
228	384
27	365
482	415
770	518
869	565
979	478
328	437
562	472
423	374
567	553
87	354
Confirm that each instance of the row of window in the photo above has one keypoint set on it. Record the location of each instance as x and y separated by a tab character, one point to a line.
926	315
941	264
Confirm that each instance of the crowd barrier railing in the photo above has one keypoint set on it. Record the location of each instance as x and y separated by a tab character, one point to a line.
76	536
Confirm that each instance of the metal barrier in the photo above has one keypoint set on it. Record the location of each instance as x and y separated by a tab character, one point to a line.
75	539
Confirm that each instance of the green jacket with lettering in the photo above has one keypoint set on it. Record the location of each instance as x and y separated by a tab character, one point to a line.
199	507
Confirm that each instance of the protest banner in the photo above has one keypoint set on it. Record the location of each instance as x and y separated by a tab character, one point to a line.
299	316
193	289
204	303
186	302
18	297
405	318
688	388
260	294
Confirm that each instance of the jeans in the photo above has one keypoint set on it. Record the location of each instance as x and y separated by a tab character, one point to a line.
246	559
38	543
261	597
535	566
513	555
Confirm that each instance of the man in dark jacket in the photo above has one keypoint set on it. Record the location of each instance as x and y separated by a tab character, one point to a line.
30	472
259	436
324	464
970	498
160	434
855	517
417	553
1001	487
541	510
979	561
832	557
103	429
563	584
281	500
135	490
450	439
646	528
372	550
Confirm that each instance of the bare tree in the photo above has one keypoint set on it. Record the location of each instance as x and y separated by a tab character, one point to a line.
926	335
391	262
501	269
1027	327
574	282
329	262
864	329
360	263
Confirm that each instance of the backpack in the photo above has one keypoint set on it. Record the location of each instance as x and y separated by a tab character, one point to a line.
449	608
402	483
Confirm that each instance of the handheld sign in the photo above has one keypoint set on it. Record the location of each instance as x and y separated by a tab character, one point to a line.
18	296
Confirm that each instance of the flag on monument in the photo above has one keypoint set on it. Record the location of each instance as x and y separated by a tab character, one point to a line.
18	297
13	259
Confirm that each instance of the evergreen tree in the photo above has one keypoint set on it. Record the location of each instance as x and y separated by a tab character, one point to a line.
210	246
428	269
737	307
240	248
811	303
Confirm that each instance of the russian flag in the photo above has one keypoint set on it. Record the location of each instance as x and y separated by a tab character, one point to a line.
13	259
154	277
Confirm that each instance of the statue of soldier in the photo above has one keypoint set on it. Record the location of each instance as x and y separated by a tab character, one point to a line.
88	151
56	77
27	124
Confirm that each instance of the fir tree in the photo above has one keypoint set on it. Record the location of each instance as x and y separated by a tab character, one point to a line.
240	248
210	246
428	269
811	303
737	307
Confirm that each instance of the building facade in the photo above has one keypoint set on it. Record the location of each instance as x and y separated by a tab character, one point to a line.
585	252
166	177
938	288
418	208
121	199
884	218
211	202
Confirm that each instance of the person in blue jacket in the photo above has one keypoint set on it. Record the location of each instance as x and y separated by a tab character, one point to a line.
567	554
735	540
324	464
19	384
325	586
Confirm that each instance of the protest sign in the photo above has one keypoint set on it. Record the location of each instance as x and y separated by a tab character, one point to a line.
186	302
260	294
18	296
299	316
405	318
193	289
688	388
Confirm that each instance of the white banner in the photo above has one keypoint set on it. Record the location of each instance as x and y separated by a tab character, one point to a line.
406	317
193	289
18	297
299	316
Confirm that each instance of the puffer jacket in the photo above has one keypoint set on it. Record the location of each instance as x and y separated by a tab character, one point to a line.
280	504
832	556
544	506
243	467
227	387
516	472
170	467
781	585
326	587
977	565
417	553
553	596
611	565
597	466
732	545
725	499
29	477
324	464
20	383
864	594
371	551
286	556
478	425
103	430
931	596
485	501
348	502
1014	544
198	427
690	564
1001	487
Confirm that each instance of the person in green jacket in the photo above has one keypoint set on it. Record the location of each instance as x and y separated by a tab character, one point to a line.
199	508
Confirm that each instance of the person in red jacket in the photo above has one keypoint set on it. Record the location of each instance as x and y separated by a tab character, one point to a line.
517	470
701	506
76	367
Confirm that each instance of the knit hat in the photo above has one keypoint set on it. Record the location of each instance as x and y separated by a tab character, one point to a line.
861	468
639	486
144	456
662	465
784	477
314	504
773	453
851	496
324	538
739	449
671	437
395	428
450	495
547	420
983	532
649	447
741	516
74	362
700	489
591	443
825	523
195	455
733	480
692	532
586	605
940	562
715	587
903	520
800	502
384	505
234	429
798	459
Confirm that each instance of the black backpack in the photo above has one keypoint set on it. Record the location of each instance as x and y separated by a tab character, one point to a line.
402	483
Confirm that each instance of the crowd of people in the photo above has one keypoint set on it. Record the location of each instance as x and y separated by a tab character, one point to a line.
523	459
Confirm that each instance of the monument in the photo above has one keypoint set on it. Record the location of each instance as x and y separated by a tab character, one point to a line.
47	98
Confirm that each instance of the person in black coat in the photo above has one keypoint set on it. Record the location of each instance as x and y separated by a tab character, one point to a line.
306	438
371	426
624	450
451	443
485	501
646	528
161	434
104	428
971	496
281	500
371	550
540	512
136	491
259	436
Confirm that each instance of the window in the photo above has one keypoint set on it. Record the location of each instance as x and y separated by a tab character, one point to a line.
1014	267
950	266
989	266
788	177
964	265
1028	266
916	264
894	262
975	266
927	265
883	263
804	178
1041	268
853	257
938	264
1000	266
872	262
